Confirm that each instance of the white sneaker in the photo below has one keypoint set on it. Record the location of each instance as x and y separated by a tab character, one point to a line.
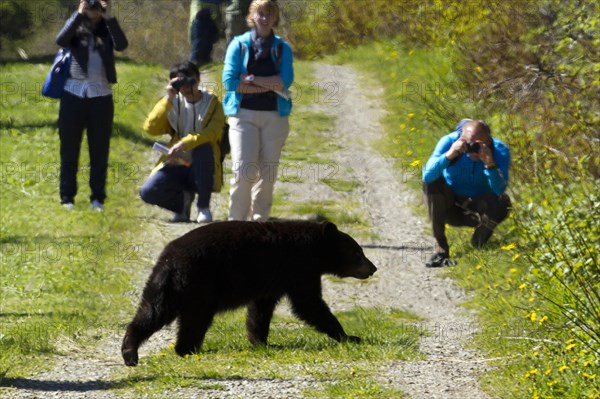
69	206
97	206
204	216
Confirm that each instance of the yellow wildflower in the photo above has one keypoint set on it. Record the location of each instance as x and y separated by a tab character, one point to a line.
415	163
562	368
508	247
532	316
589	376
523	286
478	267
530	373
513	270
570	346
410	115
402	125
543	319
515	257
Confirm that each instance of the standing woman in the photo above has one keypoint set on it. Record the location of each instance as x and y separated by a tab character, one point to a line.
87	102
257	73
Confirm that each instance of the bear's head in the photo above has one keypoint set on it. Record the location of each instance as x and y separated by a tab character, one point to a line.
345	258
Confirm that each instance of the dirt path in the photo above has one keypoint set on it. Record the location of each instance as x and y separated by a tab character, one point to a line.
402	282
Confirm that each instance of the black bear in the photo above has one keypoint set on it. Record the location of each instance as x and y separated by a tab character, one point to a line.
226	265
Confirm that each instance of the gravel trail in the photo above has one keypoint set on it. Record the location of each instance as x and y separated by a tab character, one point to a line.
402	282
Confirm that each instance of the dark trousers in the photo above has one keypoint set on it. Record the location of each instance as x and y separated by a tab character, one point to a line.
204	33
95	115
445	207
166	186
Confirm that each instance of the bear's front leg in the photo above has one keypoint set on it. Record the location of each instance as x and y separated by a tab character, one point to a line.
315	312
260	313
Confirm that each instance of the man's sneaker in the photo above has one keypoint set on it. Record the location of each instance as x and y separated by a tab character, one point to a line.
204	216
439	259
184	216
69	206
97	206
480	236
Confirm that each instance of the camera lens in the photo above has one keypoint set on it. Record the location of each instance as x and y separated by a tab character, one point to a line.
183	81
93	3
473	147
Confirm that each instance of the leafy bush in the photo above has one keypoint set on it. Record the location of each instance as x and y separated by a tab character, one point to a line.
563	255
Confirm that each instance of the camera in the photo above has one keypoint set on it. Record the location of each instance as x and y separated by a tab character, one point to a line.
183	81
473	147
94	4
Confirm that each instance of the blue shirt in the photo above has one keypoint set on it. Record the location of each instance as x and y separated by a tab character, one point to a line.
464	176
236	63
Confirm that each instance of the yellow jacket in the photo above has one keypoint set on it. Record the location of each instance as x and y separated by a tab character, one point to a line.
213	121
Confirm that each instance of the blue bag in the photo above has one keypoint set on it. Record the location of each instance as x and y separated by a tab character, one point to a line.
58	74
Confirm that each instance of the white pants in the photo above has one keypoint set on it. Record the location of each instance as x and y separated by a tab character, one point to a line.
256	139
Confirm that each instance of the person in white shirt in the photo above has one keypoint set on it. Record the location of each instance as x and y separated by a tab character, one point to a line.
87	101
194	119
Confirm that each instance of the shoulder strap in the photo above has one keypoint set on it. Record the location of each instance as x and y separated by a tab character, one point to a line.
242	50
277	53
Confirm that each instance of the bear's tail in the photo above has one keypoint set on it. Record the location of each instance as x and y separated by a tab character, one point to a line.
154	312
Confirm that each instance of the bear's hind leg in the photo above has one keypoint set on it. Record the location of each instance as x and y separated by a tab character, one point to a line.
260	313
192	329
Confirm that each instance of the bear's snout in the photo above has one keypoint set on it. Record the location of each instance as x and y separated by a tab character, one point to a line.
364	270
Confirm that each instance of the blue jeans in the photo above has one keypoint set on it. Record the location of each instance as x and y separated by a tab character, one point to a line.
166	186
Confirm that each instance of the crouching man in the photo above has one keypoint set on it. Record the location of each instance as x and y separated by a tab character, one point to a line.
464	183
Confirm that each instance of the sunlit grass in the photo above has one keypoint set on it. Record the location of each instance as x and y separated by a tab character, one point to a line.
294	351
63	274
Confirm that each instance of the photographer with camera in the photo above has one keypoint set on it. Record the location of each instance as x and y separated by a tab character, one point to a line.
87	103
464	183
194	119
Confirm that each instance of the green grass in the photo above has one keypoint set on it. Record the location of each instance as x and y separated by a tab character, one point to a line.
294	351
64	273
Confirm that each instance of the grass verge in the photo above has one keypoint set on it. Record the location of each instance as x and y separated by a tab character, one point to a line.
63	274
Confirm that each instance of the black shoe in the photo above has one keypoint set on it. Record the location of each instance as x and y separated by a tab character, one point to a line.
481	235
438	260
184	215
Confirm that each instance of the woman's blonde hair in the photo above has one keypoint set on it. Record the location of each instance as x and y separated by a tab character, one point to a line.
271	6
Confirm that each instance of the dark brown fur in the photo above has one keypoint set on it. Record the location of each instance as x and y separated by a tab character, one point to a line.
226	265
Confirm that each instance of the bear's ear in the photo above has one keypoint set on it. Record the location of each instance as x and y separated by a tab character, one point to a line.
329	229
